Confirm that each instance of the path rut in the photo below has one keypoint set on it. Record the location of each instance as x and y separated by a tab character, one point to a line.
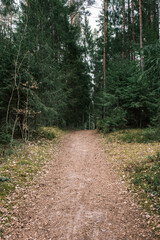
80	197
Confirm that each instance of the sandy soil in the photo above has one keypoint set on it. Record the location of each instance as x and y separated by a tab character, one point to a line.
80	197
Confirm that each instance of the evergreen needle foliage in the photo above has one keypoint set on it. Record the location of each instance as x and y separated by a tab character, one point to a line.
56	71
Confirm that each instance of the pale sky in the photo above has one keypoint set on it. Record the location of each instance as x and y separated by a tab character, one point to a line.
95	11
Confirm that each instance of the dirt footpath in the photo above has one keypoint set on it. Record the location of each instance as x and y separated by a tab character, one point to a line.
79	197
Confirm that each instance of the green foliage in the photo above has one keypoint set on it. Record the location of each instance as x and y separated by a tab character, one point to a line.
116	120
127	87
45	77
52	70
132	91
4	138
4	179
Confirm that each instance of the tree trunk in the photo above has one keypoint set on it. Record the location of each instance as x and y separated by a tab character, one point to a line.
159	18
27	4
104	51
129	29
124	23
104	54
141	41
11	16
71	16
133	31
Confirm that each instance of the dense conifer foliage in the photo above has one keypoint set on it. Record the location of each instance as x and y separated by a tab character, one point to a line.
56	71
131	94
44	78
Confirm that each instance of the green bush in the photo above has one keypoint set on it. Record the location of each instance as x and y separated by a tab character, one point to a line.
115	121
46	132
4	138
101	125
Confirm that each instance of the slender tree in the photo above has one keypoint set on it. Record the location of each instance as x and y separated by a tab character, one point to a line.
141	35
158	2
124	24
72	15
129	29
133	31
104	50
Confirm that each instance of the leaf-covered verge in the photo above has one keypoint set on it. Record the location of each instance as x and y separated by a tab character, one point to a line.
138	163
19	166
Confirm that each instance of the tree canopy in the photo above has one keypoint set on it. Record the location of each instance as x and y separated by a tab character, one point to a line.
56	71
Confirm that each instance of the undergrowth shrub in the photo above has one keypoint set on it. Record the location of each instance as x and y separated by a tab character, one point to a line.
4	138
141	135
115	121
46	132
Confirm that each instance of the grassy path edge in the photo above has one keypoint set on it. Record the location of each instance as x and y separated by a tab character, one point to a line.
138	166
20	170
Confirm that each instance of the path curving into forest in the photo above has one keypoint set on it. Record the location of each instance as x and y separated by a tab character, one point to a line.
80	197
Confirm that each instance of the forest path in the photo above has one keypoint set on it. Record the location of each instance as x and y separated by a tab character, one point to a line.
80	197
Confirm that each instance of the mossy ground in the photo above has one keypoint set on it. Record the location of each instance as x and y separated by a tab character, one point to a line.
20	166
137	160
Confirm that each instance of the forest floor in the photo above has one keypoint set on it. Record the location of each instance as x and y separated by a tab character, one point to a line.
79	196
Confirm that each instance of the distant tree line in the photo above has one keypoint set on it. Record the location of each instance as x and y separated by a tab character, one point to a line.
56	71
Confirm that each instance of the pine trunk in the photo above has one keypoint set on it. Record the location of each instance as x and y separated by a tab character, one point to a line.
129	28
104	51
141	41
71	16
11	17
104	55
133	31
124	23
159	18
